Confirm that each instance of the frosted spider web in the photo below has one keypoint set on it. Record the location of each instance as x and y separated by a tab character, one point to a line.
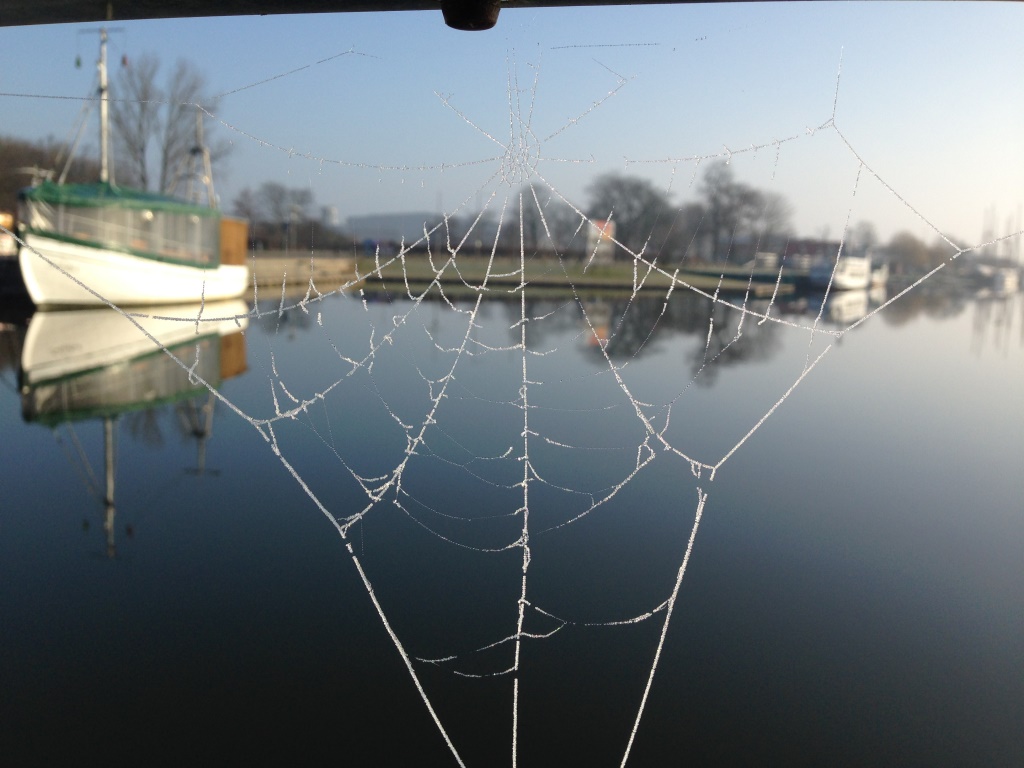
443	413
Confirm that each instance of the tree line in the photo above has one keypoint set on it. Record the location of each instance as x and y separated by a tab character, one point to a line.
285	218
158	133
22	160
729	220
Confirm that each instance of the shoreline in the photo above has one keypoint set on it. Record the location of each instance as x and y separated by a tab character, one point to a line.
332	271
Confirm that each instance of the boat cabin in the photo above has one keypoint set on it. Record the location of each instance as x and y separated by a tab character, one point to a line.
126	220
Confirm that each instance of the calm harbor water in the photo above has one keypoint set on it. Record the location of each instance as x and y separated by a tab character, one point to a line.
855	594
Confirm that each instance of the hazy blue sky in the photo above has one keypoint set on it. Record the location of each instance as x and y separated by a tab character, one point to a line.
396	112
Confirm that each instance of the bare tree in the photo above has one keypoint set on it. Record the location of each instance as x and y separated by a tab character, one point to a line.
643	215
278	203
908	253
861	238
687	230
564	227
22	160
773	223
732	208
548	223
279	216
186	103
247	206
135	118
155	127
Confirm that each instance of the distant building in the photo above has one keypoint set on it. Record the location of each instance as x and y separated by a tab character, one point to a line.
329	216
801	253
600	241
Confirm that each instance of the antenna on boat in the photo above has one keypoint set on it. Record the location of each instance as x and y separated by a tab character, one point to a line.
196	167
201	153
103	92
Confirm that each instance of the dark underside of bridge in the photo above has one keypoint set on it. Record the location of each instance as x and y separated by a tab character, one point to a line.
461	14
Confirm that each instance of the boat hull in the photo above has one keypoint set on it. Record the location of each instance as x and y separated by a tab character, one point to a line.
850	273
60	274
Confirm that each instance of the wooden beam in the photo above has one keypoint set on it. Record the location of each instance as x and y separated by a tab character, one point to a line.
16	13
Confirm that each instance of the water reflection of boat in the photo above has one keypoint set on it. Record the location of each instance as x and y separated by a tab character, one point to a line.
878	294
879	275
1005	281
846	307
81	363
98	364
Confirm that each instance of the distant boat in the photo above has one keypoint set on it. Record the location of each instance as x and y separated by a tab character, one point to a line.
848	273
98	243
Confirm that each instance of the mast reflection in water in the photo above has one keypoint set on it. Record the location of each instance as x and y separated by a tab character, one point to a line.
99	364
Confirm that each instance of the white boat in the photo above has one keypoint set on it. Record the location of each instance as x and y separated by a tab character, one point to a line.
848	273
100	244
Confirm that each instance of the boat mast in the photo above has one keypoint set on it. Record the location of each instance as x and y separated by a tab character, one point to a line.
200	154
110	509
104	127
